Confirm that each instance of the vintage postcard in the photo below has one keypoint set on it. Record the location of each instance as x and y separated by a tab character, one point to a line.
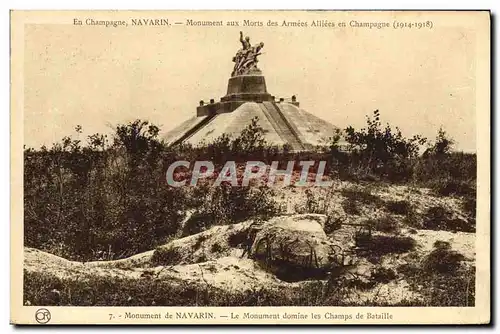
250	167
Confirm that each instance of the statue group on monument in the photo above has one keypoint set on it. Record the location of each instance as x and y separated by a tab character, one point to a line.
246	58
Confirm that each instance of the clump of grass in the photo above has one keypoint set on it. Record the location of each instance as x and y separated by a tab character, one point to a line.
383	275
412	219
350	207
452	290
436	218
166	256
452	186
440	219
442	259
201	258
398	207
385	224
442	278
216	248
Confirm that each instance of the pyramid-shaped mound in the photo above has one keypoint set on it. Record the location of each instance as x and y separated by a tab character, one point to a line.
282	120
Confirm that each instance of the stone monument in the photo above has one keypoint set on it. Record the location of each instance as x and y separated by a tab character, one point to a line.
247	97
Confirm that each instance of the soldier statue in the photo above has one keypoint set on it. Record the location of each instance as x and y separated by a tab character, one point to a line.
246	58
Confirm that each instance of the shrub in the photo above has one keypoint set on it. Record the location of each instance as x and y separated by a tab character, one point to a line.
449	173
312	204
384	151
443	144
100	196
201	258
116	291
353	198
363	237
230	204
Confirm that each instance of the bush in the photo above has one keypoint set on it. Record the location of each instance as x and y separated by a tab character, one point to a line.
454	290
442	289
311	204
83	199
384	151
228	204
469	206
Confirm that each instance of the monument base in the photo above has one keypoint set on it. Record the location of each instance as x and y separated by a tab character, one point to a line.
247	88
240	89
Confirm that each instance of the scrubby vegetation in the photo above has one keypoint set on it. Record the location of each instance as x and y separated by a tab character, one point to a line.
106	198
442	278
109	199
47	290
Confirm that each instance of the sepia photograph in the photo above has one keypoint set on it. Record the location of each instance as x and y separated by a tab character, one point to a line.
302	166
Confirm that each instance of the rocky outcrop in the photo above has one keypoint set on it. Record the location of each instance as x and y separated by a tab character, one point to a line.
298	241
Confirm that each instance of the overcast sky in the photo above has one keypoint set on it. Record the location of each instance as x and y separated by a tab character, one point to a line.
97	77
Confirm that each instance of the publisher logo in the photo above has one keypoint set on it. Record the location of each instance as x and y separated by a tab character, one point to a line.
42	316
